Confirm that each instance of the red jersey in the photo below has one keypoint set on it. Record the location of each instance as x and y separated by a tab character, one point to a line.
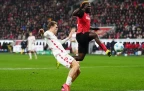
137	45
83	23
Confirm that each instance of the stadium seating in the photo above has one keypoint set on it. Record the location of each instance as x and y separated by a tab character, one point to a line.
18	17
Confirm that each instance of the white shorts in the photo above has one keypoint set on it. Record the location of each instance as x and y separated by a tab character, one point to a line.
65	59
74	46
31	48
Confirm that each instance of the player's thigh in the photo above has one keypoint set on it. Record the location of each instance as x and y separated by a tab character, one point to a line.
29	48
65	60
74	46
83	42
92	35
83	48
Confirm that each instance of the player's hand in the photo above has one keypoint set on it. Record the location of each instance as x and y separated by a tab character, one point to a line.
108	52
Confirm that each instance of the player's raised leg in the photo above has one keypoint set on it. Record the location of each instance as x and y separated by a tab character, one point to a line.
95	36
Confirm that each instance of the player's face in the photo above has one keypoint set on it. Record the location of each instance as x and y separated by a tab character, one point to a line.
73	29
55	29
88	9
30	34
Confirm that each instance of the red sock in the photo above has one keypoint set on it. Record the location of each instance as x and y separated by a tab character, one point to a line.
103	47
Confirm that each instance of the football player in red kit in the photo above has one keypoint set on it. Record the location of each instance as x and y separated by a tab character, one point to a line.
84	35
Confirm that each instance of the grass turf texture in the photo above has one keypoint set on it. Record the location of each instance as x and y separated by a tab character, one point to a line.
98	73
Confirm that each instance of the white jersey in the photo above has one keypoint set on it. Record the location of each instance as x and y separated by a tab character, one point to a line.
54	44
31	40
73	38
57	49
74	43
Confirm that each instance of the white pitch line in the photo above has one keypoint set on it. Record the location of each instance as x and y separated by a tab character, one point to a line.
63	67
25	68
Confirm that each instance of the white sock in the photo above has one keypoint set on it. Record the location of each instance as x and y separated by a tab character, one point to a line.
35	55
69	80
30	55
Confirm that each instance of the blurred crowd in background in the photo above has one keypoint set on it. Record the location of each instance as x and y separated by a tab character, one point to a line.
18	17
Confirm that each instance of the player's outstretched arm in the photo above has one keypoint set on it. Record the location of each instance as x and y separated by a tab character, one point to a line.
70	35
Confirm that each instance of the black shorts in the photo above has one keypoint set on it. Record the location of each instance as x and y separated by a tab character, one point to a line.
83	42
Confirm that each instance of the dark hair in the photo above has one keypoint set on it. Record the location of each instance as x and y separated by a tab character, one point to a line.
84	3
51	23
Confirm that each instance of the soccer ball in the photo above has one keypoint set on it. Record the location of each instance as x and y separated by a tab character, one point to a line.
118	47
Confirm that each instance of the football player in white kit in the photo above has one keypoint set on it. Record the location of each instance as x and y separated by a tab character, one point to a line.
61	55
62	41
74	43
30	46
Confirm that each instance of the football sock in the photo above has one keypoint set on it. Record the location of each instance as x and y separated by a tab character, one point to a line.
22	51
30	55
35	55
103	47
69	80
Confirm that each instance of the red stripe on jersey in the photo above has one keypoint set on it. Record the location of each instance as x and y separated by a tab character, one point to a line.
55	44
65	59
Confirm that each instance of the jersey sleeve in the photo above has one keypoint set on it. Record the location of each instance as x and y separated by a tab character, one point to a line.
64	40
46	35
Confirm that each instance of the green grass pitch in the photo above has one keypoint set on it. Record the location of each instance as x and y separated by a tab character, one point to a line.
98	73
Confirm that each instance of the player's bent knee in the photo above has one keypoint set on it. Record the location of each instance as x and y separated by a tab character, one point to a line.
75	65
